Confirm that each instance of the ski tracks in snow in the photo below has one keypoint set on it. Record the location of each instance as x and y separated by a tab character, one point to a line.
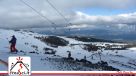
2	62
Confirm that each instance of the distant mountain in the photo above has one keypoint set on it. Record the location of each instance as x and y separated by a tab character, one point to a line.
88	39
99	33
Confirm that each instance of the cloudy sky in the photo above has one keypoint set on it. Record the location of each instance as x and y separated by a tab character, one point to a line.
114	15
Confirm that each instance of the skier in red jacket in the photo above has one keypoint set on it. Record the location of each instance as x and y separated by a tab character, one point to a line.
13	44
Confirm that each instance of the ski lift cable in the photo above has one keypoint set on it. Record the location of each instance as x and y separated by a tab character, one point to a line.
58	12
38	13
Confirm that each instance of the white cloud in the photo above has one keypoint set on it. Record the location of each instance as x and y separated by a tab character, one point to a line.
78	26
14	14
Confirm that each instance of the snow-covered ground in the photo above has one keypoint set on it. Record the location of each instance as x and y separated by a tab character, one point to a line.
26	42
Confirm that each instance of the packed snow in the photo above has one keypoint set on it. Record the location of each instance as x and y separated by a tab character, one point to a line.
28	45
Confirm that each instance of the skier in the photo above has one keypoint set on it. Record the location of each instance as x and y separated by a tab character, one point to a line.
13	44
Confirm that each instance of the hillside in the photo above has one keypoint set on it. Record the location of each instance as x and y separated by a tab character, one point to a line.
88	39
60	53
